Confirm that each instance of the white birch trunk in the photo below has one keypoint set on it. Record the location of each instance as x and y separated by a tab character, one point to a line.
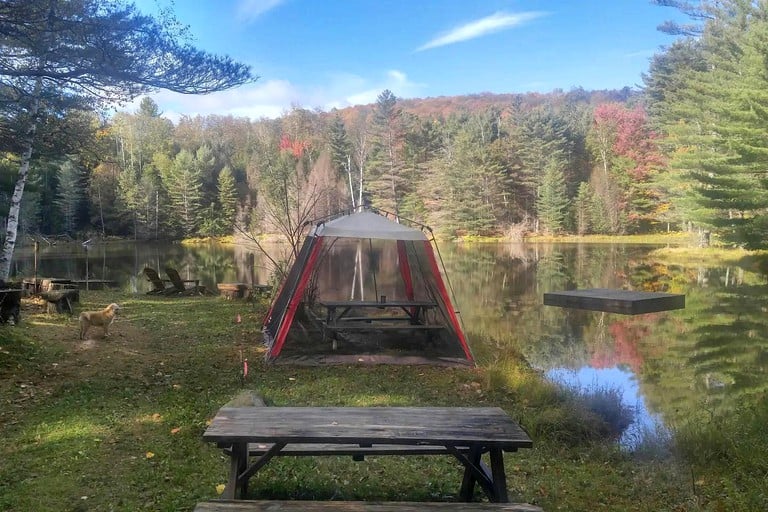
349	177
18	191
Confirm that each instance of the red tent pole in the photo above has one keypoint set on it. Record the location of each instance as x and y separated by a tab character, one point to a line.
295	301
444	293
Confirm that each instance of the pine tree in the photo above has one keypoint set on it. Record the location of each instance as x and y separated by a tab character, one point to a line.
340	149
716	118
581	209
227	199
387	181
185	189
552	203
70	196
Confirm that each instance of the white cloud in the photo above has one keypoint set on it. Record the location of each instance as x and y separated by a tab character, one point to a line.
273	98
478	28
395	81
249	10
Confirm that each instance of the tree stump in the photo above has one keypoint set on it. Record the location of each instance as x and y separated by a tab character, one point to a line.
60	301
50	284
232	290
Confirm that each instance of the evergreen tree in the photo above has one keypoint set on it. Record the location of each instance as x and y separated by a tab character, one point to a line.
472	177
340	149
227	199
185	190
387	181
552	203
541	139
716	117
70	195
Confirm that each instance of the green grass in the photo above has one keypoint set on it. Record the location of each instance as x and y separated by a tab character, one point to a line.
117	424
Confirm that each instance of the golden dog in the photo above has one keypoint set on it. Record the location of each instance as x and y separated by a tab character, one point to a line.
103	318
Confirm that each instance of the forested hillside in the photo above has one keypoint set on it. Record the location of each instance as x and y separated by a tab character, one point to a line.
479	165
688	151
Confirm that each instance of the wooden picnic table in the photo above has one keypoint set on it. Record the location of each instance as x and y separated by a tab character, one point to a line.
463	432
338	311
626	302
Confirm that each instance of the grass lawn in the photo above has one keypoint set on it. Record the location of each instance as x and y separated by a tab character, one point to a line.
115	423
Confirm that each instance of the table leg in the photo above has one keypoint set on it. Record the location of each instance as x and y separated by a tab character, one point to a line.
469	480
499	476
237	463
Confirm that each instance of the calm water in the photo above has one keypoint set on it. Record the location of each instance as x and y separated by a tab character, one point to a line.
709	356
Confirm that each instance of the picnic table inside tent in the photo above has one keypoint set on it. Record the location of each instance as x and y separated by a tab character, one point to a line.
366	287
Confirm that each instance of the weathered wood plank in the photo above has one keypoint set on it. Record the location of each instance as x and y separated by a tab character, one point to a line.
325	449
456	426
624	302
358	506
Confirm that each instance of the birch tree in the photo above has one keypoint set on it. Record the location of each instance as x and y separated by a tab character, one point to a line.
59	55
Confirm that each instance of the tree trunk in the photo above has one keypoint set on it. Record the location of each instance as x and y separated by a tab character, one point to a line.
349	175
18	192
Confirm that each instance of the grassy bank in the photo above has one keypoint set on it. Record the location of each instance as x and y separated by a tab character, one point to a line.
116	424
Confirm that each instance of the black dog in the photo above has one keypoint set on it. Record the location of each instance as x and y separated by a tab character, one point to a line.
10	304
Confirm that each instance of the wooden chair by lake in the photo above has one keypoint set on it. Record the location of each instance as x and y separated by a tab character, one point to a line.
158	285
180	285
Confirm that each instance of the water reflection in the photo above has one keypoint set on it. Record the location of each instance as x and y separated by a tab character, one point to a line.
672	365
124	262
624	381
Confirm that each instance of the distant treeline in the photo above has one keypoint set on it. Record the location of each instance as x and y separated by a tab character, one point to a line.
689	150
472	165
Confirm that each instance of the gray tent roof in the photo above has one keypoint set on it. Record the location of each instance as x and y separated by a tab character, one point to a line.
367	225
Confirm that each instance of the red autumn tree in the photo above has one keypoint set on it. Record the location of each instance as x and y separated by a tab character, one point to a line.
627	150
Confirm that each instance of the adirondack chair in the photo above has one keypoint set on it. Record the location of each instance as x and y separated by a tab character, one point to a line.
158	285
180	285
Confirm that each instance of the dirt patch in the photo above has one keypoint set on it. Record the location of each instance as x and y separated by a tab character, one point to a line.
129	350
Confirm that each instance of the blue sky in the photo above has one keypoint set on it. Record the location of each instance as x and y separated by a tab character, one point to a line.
335	53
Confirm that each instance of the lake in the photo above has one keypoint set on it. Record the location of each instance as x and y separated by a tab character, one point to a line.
667	366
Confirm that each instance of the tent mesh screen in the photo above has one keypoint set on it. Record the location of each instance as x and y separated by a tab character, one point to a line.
352	269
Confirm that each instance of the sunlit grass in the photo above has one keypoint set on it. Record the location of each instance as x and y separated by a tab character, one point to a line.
125	433
71	428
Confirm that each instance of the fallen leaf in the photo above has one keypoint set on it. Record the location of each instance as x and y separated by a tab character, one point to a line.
150	455
220	488
175	430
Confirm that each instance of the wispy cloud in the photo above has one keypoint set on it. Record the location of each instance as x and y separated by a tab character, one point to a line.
478	28
249	10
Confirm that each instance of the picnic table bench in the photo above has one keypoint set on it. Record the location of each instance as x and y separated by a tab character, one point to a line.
463	432
337	312
357	506
387	315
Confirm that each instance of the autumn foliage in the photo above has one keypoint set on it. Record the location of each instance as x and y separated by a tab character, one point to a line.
294	146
